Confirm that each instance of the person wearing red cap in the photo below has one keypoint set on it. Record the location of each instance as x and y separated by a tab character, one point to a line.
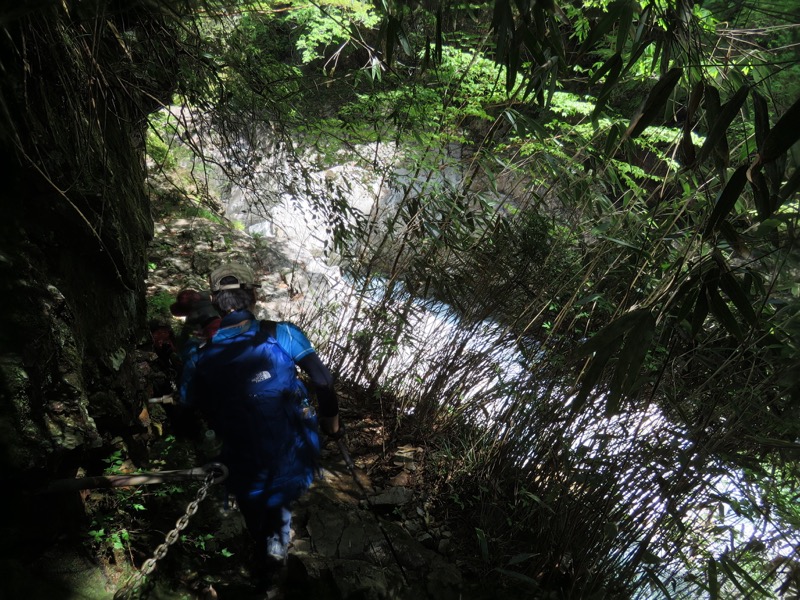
246	385
202	319
201	323
185	301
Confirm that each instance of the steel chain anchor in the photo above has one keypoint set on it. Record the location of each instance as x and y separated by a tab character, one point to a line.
135	588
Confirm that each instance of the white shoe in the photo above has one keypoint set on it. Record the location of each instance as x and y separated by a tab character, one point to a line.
277	549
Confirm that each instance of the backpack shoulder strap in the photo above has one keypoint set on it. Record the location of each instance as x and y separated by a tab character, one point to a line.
267	329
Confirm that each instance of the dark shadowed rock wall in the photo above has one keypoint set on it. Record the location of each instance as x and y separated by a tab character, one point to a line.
75	89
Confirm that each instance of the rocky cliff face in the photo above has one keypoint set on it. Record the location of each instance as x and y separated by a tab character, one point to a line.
76	221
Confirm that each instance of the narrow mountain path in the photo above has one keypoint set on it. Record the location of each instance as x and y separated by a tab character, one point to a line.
352	538
364	530
367	530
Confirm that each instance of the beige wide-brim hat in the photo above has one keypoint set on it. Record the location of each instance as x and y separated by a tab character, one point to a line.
244	276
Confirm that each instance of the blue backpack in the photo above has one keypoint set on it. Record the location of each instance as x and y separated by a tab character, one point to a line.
248	389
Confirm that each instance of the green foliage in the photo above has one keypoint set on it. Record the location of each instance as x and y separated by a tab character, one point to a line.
113	463
158	151
474	81
131	520
610	193
326	28
256	74
430	112
158	305
204	545
161	141
114	514
116	540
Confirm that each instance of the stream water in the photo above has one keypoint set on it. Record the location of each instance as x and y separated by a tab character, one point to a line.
295	222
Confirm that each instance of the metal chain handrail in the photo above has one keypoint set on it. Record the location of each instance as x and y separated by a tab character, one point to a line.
134	585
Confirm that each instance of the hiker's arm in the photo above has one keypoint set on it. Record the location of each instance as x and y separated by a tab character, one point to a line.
292	339
322	384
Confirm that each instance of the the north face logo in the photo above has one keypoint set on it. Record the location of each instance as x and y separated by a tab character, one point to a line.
261	376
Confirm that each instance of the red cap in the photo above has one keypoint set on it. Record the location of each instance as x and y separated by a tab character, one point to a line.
185	302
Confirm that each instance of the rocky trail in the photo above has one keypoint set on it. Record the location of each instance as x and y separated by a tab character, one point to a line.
365	530
368	529
360	533
350	540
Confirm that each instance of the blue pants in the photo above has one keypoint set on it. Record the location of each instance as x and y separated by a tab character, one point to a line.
268	525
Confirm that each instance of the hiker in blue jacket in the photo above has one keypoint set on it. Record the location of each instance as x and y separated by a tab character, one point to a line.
245	383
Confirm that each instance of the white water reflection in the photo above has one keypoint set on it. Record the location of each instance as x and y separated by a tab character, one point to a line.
639	451
634	457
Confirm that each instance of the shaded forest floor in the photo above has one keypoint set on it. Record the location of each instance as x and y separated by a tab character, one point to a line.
382	531
392	528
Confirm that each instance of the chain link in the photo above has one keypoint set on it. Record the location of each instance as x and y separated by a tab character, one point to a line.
135	588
